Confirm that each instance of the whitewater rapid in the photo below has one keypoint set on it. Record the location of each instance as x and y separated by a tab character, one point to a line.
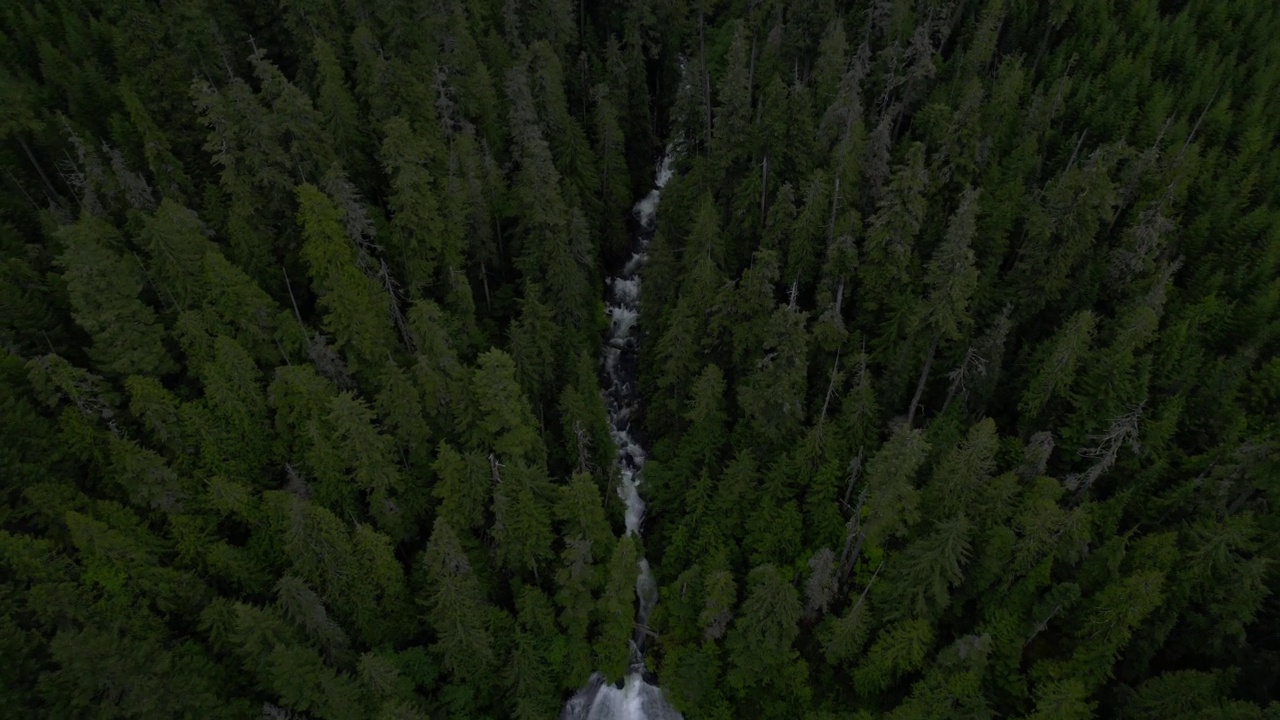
636	699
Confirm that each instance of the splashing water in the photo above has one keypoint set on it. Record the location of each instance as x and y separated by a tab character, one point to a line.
636	699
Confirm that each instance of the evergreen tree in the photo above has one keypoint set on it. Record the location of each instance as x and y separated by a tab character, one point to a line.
421	245
457	609
761	640
104	287
615	611
954	385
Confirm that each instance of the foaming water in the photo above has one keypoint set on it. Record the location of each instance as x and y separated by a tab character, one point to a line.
635	698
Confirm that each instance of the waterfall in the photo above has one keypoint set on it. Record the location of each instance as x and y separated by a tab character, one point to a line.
636	699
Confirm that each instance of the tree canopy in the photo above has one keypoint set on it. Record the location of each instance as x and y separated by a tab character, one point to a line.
958	360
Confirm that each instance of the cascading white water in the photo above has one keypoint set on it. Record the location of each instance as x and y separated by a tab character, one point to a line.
636	699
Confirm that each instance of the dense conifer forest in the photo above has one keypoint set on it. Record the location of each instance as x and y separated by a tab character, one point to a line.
960	357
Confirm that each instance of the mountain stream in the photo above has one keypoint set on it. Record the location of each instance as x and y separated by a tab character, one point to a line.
635	699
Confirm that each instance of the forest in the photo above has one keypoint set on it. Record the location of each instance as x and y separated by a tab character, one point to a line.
959	358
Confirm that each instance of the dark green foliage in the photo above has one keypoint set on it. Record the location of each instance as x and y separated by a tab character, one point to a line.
103	286
958	358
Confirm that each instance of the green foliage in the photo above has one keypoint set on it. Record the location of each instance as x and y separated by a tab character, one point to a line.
421	245
353	308
761	638
300	307
899	649
615	613
892	497
1057	368
104	289
456	609
920	577
502	421
951	276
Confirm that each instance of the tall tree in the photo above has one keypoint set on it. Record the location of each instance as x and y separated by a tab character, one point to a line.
354	313
104	288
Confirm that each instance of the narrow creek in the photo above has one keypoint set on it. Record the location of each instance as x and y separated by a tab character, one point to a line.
635	699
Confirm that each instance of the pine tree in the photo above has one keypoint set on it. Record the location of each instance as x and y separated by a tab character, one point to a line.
576	581
303	682
382	608
961	479
919	578
534	337
537	652
1059	360
293	118
353	310
399	408
892	498
234	429
773	394
457	609
438	371
103	287
372	463
238	307
501	420
420	246
337	106
761	640
585	420
951	276
891	265
899	649
521	516
615	177
177	243
616	610
463	486
733	111
809	234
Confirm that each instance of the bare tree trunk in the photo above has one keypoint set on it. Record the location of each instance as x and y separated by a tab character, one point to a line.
835	203
494	476
830	388
1191	136
924	377
294	300
1075	153
852	541
50	190
586	82
1042	625
1044	43
951	395
855	469
497	229
580	436
706	78
397	317
849	558
18	184
863	597
764	189
1240	501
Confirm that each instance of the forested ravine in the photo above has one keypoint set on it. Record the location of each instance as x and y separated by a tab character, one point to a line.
636	699
955	382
